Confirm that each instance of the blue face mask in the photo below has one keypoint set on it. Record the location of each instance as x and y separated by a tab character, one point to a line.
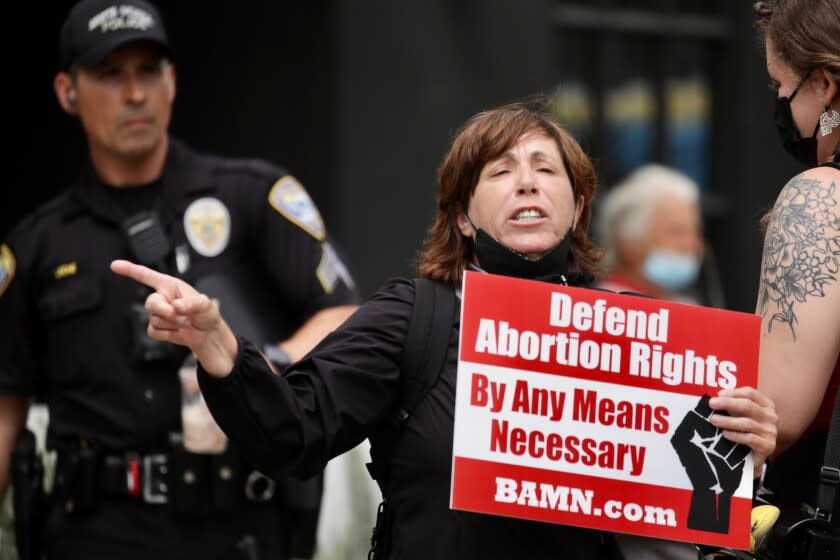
670	270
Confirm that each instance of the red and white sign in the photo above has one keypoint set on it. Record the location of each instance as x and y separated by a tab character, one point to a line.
585	407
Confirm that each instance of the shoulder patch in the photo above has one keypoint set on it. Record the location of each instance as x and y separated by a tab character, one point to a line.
288	197
207	226
7	267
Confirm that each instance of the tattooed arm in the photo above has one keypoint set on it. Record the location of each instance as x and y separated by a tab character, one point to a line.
799	299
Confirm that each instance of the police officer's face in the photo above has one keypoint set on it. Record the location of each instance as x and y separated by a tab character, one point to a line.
125	103
524	199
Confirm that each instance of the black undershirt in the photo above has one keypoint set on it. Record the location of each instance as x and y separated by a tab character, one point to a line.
130	200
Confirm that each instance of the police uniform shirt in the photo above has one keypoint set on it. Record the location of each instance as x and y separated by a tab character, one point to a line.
66	331
345	391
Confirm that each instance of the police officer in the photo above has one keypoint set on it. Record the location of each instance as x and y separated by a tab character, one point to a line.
74	333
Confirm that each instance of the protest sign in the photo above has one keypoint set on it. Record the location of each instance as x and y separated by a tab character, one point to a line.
589	408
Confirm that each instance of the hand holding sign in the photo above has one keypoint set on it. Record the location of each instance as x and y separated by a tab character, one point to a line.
181	315
713	466
751	420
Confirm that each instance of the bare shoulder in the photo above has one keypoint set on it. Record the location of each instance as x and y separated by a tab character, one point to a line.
822	173
801	256
815	177
813	194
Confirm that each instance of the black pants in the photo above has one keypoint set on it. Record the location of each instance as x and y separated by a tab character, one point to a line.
129	530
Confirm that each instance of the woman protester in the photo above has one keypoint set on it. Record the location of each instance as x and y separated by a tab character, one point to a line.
799	292
515	194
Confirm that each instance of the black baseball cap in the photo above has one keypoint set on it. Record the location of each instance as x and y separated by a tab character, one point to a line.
94	28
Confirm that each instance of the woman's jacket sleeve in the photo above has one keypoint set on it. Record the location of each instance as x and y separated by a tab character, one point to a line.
323	405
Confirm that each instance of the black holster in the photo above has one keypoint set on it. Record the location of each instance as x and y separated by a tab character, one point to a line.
28	500
380	538
203	484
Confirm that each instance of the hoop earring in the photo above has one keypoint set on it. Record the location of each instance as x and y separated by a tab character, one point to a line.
829	122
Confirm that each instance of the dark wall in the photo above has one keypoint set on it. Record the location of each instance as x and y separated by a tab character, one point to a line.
258	81
43	143
409	74
360	100
750	167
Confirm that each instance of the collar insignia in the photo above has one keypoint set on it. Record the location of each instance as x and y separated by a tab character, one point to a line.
65	270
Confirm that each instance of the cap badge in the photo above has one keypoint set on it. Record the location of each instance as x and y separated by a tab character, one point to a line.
121	17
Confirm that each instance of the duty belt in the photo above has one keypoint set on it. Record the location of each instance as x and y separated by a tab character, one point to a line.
153	479
137	476
189	482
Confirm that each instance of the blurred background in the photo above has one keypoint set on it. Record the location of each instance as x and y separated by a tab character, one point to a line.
360	100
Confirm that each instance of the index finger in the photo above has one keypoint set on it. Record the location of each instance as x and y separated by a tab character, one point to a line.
139	273
747	392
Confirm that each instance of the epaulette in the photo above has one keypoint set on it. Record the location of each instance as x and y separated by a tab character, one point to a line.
56	205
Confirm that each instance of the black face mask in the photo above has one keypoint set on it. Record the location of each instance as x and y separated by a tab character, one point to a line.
803	149
495	258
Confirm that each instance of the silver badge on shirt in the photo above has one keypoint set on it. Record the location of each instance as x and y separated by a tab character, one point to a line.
207	226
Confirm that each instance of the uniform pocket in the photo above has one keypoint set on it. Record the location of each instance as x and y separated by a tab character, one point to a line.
70	296
74	346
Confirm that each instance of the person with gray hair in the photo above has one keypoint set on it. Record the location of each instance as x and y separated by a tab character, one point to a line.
651	229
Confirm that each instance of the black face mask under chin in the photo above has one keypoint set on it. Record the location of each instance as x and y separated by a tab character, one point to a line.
803	149
495	258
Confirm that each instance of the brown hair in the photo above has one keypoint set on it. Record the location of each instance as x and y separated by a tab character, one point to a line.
484	138
805	33
806	36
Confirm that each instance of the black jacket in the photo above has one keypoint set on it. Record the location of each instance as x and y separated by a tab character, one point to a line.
345	391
